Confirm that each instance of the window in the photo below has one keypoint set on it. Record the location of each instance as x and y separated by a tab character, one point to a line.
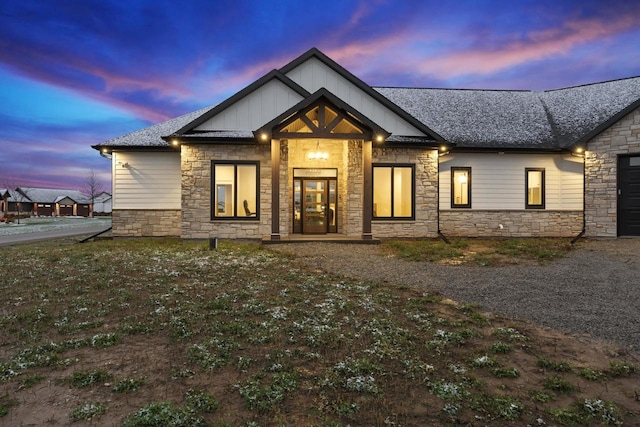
534	183
393	191
234	190
460	187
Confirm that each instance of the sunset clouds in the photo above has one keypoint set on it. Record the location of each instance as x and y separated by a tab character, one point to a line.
75	73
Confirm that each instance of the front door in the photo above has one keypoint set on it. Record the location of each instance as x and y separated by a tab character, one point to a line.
629	196
315	205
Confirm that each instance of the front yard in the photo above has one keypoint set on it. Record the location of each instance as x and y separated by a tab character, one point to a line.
166	332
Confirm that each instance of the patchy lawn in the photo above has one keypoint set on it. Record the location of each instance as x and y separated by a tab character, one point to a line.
165	332
480	252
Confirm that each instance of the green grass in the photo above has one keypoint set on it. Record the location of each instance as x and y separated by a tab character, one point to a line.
481	252
170	333
425	250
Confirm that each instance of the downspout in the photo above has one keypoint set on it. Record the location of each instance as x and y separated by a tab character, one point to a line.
584	199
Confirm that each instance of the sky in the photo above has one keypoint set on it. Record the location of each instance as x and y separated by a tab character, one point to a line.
75	73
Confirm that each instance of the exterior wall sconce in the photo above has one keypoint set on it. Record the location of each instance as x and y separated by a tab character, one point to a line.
443	151
578	152
175	142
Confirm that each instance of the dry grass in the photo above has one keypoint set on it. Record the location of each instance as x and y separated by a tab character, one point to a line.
165	332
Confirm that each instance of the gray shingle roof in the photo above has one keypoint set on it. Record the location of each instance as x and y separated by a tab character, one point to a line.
478	117
518	119
52	195
472	118
152	135
578	111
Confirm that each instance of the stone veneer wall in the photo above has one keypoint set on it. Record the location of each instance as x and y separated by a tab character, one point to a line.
515	223
196	192
425	223
355	190
601	170
145	223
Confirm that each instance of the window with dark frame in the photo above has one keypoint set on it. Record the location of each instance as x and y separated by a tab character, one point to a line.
393	191
234	190
461	187
534	186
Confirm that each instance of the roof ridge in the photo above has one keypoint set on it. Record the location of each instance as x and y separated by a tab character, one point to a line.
590	84
453	88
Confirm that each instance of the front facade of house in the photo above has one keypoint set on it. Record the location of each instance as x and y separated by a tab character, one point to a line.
311	150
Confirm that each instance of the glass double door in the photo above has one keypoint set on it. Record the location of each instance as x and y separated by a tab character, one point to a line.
315	205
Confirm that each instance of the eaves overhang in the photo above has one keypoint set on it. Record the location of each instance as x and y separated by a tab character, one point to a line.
108	149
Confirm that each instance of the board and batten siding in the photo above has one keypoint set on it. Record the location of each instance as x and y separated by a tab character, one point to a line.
144	180
498	180
313	75
255	109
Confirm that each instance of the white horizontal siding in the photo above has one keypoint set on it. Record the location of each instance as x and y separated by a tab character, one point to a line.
255	109
146	180
313	75
498	180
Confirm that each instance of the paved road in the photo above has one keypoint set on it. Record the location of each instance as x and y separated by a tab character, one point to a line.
14	239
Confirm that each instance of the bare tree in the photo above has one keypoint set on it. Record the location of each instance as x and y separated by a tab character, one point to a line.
92	188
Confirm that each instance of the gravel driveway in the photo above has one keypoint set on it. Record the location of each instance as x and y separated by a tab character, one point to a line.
595	290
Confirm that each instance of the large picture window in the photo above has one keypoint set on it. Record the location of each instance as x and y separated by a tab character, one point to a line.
460	187
534	182
393	192
234	190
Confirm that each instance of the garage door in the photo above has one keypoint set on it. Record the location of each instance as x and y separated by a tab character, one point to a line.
45	209
629	196
83	210
66	210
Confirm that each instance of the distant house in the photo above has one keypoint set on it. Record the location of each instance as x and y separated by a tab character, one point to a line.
102	203
47	202
310	149
17	203
4	195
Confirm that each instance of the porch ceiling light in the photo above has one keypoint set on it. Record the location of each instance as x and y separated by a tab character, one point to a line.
379	138
264	136
318	155
175	142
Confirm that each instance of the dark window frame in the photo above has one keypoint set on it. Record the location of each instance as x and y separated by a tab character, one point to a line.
413	191
455	205
237	215
542	189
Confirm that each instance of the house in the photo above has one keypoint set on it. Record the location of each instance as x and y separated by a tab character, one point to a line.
4	195
17	203
310	149
102	203
48	202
